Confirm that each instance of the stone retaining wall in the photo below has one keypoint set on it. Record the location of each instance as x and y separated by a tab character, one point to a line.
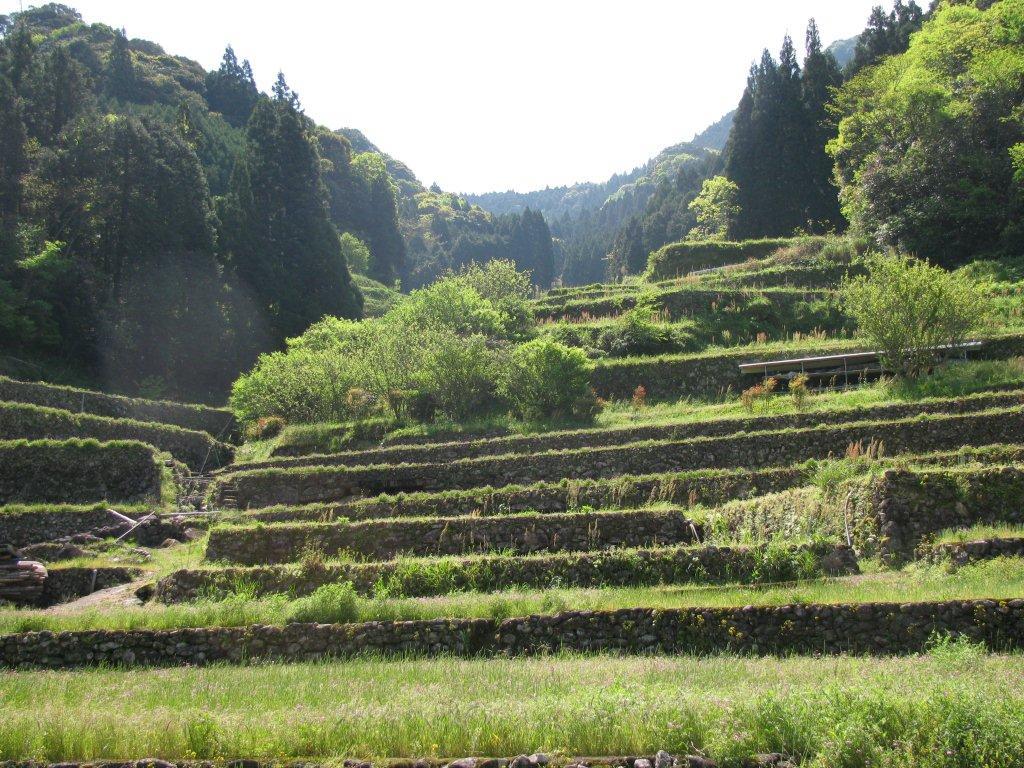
77	472
704	487
442	453
387	539
64	584
678	259
217	422
964	552
901	509
616	568
876	628
762	449
31	525
718	375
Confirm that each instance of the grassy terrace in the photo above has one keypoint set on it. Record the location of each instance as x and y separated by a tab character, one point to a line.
951	381
951	707
996	579
677	422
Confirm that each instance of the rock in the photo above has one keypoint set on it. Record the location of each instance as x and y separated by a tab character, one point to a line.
538	758
145	594
494	762
242	764
168	543
695	761
519	761
642	762
52	552
152	762
663	760
465	762
191	534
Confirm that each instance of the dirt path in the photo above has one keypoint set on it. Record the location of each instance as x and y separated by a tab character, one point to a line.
121	595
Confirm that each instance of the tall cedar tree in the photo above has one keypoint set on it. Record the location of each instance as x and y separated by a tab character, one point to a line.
531	247
776	151
121	81
276	231
231	90
136	286
886	34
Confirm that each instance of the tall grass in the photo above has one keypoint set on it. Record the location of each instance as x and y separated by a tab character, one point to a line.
1000	578
952	707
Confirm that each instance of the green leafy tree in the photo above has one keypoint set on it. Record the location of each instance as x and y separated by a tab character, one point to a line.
543	379
716	209
508	290
924	153
913	312
356	254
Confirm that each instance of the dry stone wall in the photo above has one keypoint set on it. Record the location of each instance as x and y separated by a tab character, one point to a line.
704	487
616	568
20	526
64	584
77	472
900	509
877	628
387	539
677	302
761	449
961	553
679	259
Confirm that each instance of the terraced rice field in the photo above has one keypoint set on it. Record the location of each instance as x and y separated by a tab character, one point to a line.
840	582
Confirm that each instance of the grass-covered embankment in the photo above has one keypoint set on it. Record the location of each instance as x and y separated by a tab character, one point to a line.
995	579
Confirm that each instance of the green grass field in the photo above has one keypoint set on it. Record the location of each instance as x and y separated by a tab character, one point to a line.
954	706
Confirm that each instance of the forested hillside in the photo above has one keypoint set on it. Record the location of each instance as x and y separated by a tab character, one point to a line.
775	139
161	225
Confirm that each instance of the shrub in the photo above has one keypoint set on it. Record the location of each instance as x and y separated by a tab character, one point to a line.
434	352
329	604
633	333
640	397
265	429
759	394
544	379
910	310
798	389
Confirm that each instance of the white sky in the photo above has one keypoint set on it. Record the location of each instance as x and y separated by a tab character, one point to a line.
483	95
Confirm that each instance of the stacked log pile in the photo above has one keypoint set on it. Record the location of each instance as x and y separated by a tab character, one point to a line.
21	581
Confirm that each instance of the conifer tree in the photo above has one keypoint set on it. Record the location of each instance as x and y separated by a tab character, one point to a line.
821	77
120	78
231	90
277	234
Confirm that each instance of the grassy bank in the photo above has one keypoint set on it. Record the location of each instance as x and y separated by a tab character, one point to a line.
952	707
1001	578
